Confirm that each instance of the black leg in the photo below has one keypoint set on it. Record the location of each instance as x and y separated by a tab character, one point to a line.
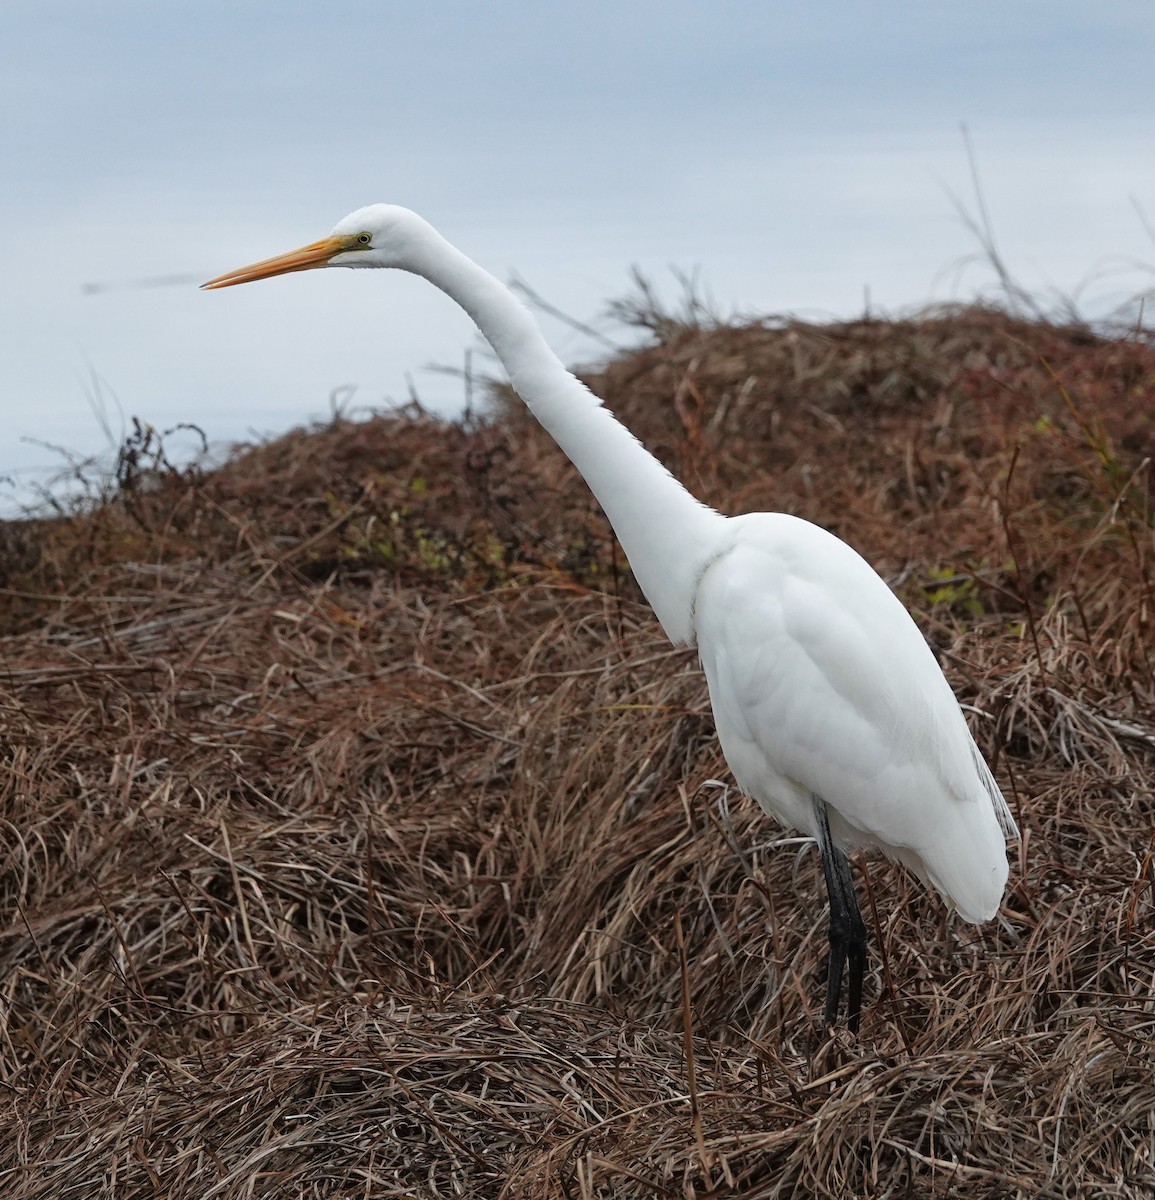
847	931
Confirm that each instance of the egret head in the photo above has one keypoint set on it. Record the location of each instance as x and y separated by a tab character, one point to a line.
382	235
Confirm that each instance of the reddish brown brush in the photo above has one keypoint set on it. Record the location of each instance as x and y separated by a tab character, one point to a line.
351	805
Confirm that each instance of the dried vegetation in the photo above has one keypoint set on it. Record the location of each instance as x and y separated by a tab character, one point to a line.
361	837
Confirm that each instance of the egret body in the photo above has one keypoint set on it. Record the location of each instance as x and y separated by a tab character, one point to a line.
831	709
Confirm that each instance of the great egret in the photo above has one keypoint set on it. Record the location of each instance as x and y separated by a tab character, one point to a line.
830	707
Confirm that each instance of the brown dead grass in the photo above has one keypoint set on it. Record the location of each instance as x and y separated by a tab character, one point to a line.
351	802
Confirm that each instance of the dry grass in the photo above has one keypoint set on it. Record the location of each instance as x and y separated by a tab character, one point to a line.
352	804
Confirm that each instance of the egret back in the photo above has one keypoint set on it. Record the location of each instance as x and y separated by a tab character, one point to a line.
823	686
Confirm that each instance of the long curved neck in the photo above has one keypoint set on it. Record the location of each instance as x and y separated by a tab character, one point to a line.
668	535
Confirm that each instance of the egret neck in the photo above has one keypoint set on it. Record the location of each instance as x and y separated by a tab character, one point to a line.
668	535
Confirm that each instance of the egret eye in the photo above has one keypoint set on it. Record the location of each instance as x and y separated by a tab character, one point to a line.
364	239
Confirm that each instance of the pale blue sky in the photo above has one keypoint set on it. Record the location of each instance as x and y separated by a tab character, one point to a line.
794	153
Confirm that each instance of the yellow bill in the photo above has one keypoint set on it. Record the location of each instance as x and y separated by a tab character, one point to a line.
316	254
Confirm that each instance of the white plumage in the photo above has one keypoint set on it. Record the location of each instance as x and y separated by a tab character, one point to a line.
830	707
822	685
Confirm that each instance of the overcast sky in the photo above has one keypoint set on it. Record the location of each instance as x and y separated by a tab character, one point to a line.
796	153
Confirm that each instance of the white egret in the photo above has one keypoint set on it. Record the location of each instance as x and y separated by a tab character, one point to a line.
831	709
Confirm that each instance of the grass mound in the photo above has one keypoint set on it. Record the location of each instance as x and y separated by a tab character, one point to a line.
361	836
